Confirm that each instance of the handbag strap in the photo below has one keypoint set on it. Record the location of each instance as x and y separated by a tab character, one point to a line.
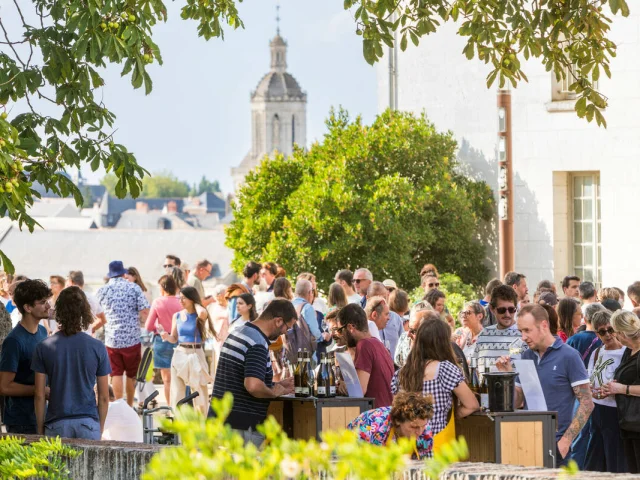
588	350
596	353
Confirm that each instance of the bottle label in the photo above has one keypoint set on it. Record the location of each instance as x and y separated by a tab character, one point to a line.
298	390
304	391
332	391
484	400
322	391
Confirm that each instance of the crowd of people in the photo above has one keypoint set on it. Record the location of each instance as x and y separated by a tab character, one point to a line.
69	359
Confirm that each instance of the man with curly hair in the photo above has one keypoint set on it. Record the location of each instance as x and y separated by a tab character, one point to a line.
31	298
72	361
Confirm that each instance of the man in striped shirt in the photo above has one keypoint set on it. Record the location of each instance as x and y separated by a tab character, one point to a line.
245	369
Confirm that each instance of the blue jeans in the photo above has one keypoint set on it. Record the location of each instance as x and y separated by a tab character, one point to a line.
84	427
580	443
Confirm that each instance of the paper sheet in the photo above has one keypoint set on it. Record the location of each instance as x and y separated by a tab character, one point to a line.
528	379
349	374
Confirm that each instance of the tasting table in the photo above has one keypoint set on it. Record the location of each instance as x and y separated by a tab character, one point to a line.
304	418
522	437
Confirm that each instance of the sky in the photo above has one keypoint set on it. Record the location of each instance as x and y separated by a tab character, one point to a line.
196	121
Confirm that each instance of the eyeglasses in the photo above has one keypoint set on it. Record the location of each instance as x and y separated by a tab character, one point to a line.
338	329
432	285
466	313
604	331
503	310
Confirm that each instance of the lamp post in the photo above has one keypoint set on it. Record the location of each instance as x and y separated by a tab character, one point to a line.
505	184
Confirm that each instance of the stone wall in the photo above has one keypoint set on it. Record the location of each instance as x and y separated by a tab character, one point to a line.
106	460
103	460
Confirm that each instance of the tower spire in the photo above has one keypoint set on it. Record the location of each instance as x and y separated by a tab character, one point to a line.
278	19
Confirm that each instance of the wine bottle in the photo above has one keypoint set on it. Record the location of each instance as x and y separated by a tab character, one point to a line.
323	377
297	375
332	375
484	391
474	381
307	375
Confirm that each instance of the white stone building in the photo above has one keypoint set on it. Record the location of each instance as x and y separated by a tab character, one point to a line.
278	113
575	183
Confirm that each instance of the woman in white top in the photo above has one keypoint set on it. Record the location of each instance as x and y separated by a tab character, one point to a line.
472	314
605	452
246	308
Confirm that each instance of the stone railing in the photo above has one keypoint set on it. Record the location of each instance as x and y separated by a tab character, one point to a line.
104	460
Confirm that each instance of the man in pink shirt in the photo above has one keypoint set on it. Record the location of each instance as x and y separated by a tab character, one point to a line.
373	362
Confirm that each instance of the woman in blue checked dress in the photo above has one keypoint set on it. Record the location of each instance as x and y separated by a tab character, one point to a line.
432	369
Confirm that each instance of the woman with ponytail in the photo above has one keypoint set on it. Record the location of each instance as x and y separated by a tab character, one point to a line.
189	365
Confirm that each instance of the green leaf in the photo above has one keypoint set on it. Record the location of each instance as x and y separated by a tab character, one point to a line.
403	42
7	266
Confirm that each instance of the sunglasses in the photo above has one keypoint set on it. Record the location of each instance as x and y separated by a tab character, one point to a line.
412	331
503	310
338	329
360	280
603	331
431	285
167	266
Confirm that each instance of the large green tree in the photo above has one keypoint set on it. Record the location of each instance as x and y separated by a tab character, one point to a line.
387	196
50	70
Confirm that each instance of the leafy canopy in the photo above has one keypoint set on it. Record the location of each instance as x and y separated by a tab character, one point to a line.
386	196
566	35
50	79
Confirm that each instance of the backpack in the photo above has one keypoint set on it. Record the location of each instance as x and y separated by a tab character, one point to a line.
298	337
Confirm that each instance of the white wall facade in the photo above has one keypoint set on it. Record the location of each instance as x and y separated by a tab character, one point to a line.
549	146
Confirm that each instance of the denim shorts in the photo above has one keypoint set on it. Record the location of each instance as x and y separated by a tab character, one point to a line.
162	352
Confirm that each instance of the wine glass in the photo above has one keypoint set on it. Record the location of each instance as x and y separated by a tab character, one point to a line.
516	349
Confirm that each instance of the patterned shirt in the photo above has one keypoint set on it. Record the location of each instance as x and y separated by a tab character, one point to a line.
494	343
374	427
122	301
448	376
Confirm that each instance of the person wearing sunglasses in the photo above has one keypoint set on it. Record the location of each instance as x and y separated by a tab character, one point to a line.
362	278
493	342
605	452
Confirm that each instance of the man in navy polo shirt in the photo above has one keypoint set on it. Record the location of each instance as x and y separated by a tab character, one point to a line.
562	374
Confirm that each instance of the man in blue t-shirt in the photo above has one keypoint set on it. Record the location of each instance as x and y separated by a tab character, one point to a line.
31	298
73	361
562	375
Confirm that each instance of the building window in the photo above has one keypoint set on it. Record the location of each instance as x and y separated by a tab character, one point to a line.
587	230
561	88
293	130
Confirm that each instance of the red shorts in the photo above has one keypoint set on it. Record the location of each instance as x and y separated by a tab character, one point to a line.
125	360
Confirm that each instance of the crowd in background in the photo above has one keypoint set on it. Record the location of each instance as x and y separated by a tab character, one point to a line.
79	353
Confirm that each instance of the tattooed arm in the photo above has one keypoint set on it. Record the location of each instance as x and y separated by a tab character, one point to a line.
583	394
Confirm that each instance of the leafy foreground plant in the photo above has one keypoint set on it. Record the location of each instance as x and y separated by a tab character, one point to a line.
45	458
212	450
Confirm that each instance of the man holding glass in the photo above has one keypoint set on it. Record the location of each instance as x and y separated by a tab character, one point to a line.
562	376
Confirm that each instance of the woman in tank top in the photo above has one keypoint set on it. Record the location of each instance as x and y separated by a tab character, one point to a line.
189	364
